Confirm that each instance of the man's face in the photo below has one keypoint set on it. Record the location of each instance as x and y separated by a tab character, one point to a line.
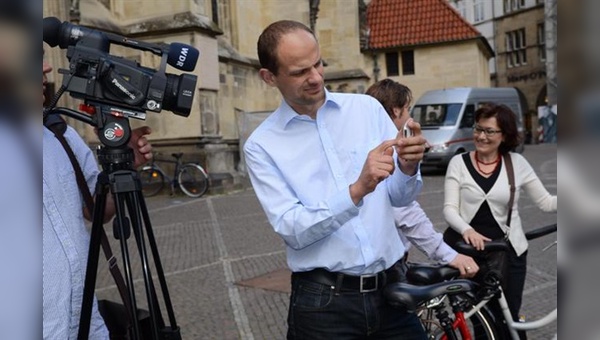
300	74
46	68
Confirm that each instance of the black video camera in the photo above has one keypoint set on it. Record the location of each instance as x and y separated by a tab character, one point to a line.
96	76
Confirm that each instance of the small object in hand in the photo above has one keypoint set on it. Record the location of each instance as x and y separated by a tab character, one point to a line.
406	131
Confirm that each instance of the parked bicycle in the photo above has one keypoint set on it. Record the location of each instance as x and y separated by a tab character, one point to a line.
189	177
452	308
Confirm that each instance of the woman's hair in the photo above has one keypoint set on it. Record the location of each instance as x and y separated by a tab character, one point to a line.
390	94
507	122
269	40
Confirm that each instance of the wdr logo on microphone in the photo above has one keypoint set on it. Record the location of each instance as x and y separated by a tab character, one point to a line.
182	56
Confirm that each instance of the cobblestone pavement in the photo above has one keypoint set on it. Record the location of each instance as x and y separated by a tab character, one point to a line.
208	245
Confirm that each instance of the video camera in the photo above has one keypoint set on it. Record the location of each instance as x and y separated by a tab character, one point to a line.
98	77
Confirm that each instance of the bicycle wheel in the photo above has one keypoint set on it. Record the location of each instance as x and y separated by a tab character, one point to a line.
192	180
152	180
481	325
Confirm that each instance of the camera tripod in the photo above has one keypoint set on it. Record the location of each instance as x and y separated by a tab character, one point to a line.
120	179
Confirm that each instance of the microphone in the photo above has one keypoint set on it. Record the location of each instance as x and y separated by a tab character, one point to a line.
56	33
51	29
65	34
182	57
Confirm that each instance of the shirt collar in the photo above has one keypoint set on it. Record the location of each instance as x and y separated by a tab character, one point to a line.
286	112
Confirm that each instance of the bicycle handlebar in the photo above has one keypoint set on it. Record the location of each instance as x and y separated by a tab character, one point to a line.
502	245
490	246
539	232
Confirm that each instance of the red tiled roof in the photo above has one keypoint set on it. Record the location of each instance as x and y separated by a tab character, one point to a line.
395	23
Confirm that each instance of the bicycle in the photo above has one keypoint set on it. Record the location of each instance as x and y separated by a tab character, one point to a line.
469	314
189	177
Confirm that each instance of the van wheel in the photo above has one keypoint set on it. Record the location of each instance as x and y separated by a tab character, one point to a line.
459	151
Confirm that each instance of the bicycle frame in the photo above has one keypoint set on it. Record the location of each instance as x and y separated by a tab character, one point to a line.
171	180
513	326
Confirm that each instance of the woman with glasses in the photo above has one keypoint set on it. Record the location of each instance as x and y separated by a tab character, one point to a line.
477	193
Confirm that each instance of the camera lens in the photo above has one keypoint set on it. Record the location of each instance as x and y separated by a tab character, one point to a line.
179	94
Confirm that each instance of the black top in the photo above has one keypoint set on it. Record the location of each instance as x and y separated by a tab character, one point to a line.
484	222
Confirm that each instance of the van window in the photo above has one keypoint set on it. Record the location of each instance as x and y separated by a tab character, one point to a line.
468	119
436	115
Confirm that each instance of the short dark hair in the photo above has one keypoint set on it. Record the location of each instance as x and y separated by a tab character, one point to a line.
390	94
269	40
507	122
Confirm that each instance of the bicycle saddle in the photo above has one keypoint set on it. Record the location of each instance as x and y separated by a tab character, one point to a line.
409	297
177	155
424	274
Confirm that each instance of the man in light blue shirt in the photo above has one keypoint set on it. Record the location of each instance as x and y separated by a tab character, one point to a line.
65	238
328	168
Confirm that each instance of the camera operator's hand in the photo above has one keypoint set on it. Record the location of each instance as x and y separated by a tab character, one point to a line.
140	145
410	149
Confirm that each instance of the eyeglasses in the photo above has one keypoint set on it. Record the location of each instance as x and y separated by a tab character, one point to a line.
488	132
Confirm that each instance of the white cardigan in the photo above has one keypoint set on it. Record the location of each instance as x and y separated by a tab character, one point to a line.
463	197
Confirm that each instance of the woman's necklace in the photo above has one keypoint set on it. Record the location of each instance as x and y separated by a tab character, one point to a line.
478	161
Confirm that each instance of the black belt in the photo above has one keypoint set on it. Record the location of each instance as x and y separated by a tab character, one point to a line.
363	283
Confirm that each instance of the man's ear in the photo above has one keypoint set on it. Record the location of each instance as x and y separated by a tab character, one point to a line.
397	112
267	76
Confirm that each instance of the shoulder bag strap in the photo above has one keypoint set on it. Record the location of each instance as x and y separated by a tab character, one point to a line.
89	203
511	181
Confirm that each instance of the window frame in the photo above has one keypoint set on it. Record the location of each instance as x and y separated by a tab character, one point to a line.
541	41
478	8
408	62
516	48
391	63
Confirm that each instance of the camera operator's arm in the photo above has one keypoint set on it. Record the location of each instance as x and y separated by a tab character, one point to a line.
142	150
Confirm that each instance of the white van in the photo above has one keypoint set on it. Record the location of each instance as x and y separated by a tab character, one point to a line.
447	117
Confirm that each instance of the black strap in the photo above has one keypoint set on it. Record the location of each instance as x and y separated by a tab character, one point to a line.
59	126
511	181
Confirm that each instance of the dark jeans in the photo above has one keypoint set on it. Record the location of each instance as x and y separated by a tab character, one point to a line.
517	269
317	312
515	282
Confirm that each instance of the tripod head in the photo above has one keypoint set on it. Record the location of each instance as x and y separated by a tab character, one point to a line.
114	132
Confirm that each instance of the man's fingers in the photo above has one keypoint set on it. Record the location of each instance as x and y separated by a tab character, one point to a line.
144	130
381	148
415	127
389	151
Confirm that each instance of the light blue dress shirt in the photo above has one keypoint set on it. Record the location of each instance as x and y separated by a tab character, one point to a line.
66	239
301	170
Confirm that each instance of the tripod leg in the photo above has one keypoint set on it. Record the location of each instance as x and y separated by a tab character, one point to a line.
159	268
92	260
122	223
138	232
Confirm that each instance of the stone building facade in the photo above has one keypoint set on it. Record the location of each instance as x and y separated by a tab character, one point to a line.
521	59
225	32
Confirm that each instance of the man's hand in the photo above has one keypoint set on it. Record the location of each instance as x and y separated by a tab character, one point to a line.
467	266
378	166
410	149
142	149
